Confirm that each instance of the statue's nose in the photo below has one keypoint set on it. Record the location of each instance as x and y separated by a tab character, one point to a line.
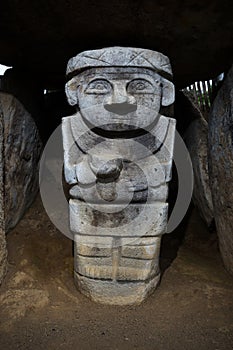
120	102
121	108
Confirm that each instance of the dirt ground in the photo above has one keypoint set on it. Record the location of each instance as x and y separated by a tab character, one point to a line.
41	309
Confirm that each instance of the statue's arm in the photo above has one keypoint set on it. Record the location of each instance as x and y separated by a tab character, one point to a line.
76	163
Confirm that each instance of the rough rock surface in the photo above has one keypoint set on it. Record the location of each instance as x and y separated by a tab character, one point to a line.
196	138
22	148
221	167
3	255
3	251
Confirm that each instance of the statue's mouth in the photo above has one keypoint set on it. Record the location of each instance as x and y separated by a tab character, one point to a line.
118	129
126	134
109	130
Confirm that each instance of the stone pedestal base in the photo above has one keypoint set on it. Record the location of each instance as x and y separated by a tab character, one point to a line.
115	292
118	262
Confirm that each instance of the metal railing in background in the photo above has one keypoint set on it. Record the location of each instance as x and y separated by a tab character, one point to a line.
202	93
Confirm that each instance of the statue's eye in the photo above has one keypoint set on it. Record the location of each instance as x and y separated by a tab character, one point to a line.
98	87
140	86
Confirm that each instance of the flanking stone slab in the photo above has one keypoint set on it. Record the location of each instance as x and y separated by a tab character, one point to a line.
20	149
221	167
3	250
196	138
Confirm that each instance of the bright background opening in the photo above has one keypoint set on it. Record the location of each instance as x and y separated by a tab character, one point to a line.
3	69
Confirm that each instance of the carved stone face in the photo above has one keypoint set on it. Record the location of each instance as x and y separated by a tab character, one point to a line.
119	99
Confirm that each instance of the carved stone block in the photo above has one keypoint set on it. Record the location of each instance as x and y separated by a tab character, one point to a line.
118	152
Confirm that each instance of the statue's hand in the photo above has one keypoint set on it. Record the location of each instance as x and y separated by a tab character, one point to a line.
107	169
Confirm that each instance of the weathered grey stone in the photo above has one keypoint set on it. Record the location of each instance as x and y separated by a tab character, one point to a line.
3	251
22	148
127	220
114	293
196	138
122	57
3	255
117	158
221	167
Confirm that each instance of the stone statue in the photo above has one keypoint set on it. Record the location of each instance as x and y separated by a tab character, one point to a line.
117	160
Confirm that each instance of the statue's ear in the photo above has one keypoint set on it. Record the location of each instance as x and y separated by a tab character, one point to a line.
71	91
168	92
